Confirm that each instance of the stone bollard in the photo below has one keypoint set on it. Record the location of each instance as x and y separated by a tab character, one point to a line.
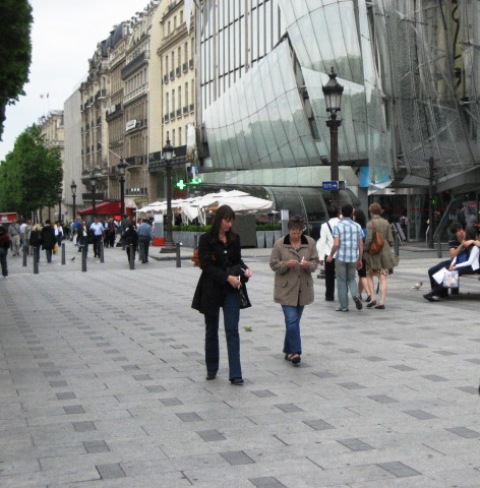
24	256
177	255
35	263
63	253
101	249
84	258
131	256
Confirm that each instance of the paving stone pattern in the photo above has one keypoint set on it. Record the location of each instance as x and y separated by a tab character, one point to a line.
102	384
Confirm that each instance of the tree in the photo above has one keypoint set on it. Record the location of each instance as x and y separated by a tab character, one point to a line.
31	175
15	51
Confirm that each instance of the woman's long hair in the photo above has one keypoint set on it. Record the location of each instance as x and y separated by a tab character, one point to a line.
223	212
360	218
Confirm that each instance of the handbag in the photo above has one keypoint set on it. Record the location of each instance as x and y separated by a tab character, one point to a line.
450	279
244	300
377	243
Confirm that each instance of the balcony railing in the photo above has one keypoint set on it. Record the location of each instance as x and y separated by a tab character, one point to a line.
179	112
166	118
172	115
172	75
192	106
178	71
165	79
185	110
190	63
185	67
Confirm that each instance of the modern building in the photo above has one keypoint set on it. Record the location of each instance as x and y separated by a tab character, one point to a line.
410	73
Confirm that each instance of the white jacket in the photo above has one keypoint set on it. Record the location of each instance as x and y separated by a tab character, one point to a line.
325	243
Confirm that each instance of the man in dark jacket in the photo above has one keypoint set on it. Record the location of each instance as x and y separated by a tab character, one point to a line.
48	239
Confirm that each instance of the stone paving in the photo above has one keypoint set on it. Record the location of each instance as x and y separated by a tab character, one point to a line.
102	384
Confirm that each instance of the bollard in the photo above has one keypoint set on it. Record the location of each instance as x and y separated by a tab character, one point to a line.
63	253
35	263
177	253
439	248
195	241
84	258
131	256
24	255
101	248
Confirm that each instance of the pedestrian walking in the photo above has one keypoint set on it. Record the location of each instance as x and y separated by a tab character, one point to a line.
35	240
324	246
14	233
223	279
98	231
5	242
145	237
48	239
380	264
294	258
130	241
348	244
363	283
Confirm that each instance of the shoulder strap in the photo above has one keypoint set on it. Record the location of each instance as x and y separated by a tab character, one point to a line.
330	228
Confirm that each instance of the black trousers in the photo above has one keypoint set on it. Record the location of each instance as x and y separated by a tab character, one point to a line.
329	279
439	289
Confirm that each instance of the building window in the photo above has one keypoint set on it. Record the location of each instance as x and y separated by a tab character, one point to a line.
179	136
173	138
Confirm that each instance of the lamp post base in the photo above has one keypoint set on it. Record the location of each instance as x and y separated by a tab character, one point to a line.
168	247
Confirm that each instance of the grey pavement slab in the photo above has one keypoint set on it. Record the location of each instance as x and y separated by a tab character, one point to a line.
102	383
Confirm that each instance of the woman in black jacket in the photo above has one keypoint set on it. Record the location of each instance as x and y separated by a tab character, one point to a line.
5	243
48	239
223	274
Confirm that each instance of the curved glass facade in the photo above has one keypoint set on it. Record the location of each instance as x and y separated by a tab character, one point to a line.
411	72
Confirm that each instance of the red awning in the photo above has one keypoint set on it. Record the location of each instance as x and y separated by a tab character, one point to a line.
104	208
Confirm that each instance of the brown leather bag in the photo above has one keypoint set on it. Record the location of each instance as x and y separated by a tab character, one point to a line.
377	242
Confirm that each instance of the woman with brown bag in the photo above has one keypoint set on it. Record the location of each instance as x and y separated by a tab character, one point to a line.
380	263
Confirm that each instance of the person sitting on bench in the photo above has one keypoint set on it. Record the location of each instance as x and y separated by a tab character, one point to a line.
465	262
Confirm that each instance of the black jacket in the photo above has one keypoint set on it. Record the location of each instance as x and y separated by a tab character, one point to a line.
217	262
48	237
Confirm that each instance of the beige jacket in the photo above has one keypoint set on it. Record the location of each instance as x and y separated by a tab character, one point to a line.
386	259
293	286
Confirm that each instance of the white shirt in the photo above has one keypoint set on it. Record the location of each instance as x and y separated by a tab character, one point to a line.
325	243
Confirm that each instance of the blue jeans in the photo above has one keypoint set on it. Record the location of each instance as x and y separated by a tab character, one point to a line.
293	342
346	274
231	317
48	253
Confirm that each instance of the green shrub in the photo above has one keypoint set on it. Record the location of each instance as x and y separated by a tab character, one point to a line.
191	228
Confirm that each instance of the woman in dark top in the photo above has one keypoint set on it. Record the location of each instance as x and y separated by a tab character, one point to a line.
130	241
48	239
223	274
36	240
5	243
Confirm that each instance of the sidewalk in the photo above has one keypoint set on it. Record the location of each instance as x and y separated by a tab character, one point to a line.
103	385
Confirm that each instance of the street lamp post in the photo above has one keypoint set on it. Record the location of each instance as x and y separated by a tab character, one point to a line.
121	167
73	187
93	183
168	154
59	205
332	92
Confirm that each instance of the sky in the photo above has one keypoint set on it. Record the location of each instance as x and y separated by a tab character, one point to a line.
64	36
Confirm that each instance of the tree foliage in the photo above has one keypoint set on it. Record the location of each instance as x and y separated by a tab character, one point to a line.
15	51
31	175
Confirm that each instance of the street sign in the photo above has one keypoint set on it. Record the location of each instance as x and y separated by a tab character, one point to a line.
333	185
330	185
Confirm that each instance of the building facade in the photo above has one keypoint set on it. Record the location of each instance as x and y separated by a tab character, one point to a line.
409	70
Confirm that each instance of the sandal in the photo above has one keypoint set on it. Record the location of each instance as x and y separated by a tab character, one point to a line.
294	358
